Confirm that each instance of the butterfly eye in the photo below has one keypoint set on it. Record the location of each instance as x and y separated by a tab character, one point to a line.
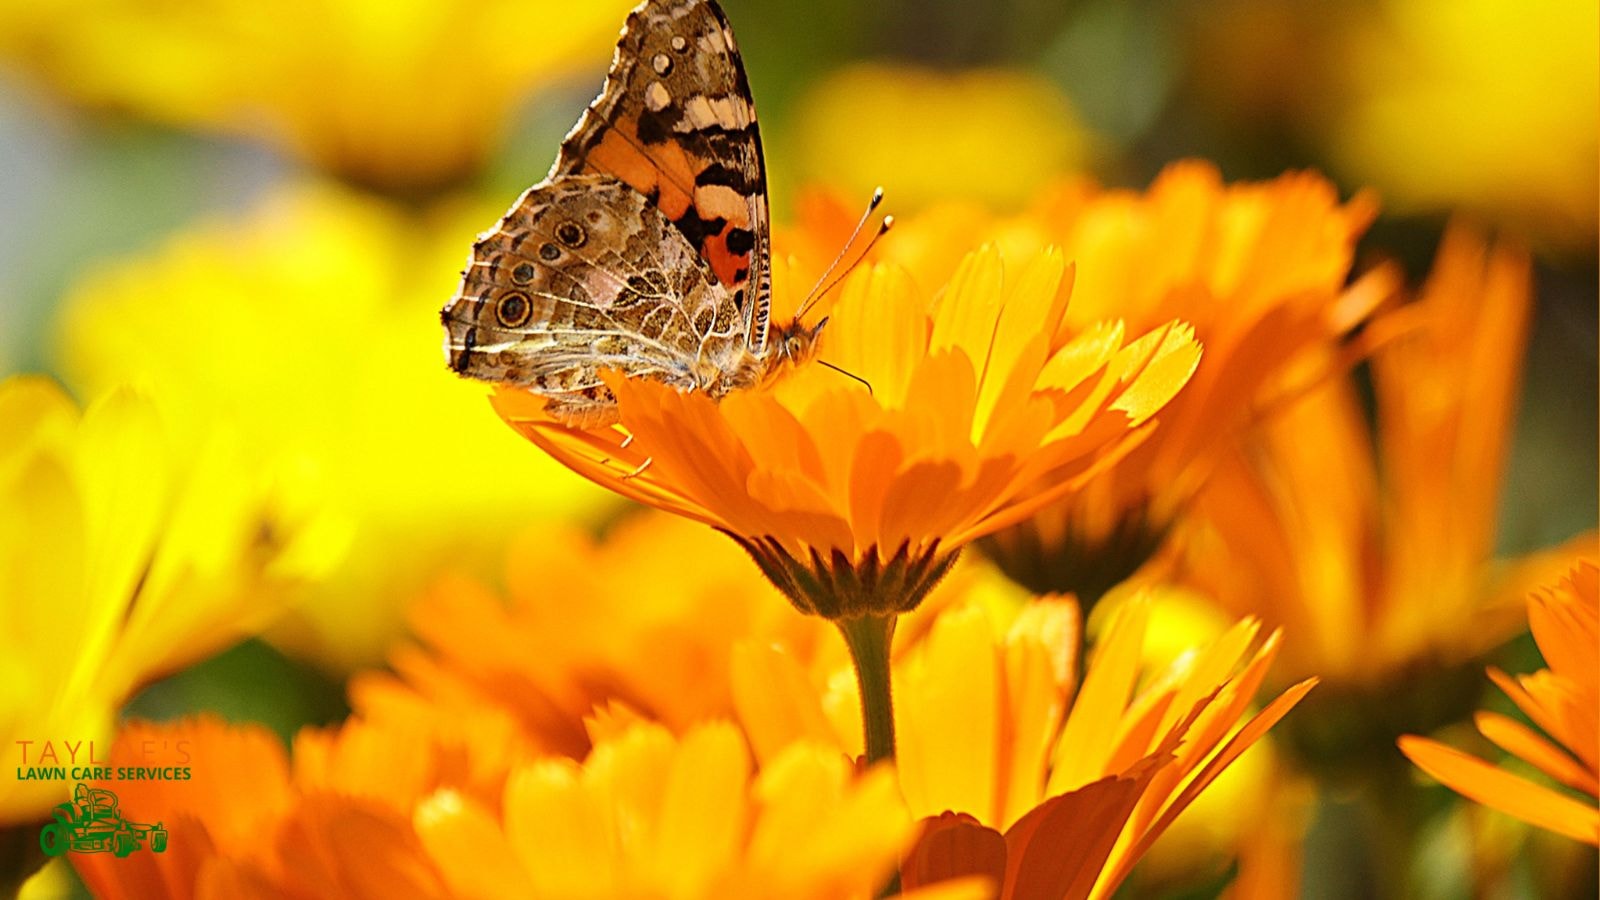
513	309
791	346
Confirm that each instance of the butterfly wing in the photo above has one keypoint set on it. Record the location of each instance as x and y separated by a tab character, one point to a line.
584	274
675	121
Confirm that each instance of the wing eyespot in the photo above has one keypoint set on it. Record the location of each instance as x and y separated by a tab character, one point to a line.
572	234
549	252
524	273
513	309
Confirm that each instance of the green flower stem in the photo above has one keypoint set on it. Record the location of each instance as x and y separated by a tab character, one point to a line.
869	638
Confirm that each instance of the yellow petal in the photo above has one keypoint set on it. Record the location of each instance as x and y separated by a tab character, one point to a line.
1087	740
775	701
468	848
702	825
948	717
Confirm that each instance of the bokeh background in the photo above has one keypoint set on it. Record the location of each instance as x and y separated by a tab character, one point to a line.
306	182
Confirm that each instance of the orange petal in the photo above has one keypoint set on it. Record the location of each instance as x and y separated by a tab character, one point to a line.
954	845
1498	789
1058	849
1520	741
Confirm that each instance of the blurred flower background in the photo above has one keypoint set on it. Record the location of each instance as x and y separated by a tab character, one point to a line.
241	496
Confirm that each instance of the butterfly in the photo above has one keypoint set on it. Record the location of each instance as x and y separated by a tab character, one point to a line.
647	248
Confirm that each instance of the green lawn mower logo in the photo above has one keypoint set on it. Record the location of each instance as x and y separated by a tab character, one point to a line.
91	823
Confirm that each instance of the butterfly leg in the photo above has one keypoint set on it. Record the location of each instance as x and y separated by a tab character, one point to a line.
622	446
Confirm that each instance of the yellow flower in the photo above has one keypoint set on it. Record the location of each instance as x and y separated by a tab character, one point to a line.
1563	699
1368	580
124	556
648	814
854	502
1045	796
407	97
994	136
1474	104
1258	269
311	328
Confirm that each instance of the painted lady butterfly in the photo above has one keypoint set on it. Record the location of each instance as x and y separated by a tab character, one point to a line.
646	248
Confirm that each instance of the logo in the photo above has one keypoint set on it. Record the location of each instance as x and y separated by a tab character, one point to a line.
92	823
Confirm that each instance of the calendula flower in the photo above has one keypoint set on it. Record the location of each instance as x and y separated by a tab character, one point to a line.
928	136
333	821
854	501
1563	700
1214	833
1472	104
1259	270
124	555
1386	586
381	809
309	327
1369	578
1015	775
616	628
648	814
587	625
406	98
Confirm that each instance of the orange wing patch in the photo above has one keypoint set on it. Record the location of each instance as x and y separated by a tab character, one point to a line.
675	121
664	174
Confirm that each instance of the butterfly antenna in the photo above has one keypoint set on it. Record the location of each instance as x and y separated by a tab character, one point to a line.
846	373
823	285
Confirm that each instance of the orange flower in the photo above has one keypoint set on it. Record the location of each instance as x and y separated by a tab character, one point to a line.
854	501
1368	577
1045	796
651	815
1258	269
384	809
1563	699
588	625
615	628
247	823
